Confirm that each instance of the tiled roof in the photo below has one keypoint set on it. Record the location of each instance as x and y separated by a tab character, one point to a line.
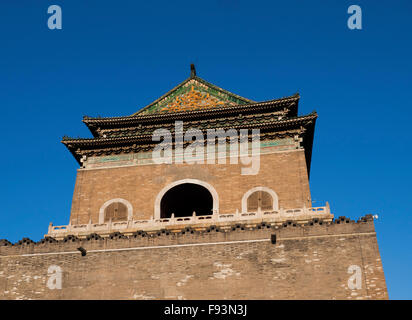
193	94
263	123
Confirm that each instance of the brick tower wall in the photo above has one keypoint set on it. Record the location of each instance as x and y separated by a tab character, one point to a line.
283	172
310	261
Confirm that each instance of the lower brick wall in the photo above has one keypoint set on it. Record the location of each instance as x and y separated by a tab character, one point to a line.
306	262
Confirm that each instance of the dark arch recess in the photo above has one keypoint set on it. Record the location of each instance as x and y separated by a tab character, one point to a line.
185	198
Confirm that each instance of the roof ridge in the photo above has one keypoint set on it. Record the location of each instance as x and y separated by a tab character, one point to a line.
200	80
138	116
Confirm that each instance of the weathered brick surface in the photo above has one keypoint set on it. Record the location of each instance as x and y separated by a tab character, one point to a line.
283	172
307	262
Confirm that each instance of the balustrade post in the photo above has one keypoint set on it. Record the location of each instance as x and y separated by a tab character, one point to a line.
151	221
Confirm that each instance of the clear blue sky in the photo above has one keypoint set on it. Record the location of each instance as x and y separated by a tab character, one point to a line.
113	57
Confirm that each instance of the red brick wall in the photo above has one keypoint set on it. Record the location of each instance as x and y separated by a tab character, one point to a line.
283	172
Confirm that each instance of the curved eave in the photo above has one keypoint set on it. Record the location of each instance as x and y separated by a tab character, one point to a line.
291	102
73	145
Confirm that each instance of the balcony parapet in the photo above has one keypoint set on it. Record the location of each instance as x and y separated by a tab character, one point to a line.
128	227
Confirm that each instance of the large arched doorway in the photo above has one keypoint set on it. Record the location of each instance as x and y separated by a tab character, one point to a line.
184	199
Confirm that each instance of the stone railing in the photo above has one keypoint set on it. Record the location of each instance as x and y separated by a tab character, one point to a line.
157	224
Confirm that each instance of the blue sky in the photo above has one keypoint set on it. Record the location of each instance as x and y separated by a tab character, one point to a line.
113	57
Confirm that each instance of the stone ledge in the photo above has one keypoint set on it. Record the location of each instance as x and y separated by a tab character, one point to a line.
277	217
212	233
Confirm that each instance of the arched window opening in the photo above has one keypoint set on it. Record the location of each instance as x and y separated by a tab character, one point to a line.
184	199
116	211
259	200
